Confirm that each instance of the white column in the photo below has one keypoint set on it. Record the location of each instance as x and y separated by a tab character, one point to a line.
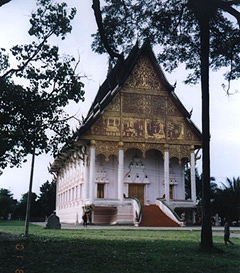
193	176
146	201
166	173
92	172
85	182
120	171
57	195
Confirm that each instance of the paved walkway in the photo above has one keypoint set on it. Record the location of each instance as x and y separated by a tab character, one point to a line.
217	231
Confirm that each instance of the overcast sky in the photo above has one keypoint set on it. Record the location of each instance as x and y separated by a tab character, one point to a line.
225	113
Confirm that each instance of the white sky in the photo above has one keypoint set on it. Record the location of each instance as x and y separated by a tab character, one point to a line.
225	113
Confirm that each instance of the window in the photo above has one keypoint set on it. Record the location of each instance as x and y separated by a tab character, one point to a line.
100	190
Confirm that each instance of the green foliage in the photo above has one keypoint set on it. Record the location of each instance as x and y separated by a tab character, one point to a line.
51	19
174	25
187	175
20	211
7	203
226	201
41	206
32	115
47	198
116	250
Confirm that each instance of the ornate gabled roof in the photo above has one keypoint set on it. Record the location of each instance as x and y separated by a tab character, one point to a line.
116	79
120	76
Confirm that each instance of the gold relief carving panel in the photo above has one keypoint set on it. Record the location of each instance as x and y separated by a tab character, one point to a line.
137	103
144	75
107	148
108	126
189	134
154	129
133	128
112	126
175	129
97	128
114	106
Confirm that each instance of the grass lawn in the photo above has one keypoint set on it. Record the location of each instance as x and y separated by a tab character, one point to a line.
110	250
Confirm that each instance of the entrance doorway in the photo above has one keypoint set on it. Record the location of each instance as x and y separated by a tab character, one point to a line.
136	191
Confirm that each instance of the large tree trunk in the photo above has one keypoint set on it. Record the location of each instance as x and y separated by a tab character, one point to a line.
206	233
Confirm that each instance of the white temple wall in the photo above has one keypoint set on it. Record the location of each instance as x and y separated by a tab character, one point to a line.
106	174
151	173
71	214
177	179
154	168
112	168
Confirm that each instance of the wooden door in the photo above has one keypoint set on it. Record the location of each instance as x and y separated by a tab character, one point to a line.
136	191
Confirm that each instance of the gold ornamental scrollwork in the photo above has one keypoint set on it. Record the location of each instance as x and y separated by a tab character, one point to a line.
179	151
131	145
114	106
155	146
107	148
144	147
144	76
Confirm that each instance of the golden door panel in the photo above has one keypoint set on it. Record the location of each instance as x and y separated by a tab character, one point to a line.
136	191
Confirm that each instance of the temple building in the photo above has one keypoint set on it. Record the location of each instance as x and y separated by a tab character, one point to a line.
127	160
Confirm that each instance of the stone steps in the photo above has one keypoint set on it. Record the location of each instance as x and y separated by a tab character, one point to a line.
152	216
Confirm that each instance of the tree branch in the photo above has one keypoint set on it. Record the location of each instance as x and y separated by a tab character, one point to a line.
98	17
227	6
3	2
30	59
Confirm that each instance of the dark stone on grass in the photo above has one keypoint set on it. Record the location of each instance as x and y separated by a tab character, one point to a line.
53	222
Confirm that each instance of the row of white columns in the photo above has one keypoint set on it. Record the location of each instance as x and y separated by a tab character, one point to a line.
121	173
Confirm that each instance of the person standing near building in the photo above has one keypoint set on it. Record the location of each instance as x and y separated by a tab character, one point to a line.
227	233
84	220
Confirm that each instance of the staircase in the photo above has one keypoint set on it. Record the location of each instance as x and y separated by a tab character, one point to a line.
152	216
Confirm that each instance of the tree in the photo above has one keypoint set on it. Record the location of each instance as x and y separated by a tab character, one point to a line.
7	203
47	198
32	118
213	185
195	32
226	201
3	2
20	212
